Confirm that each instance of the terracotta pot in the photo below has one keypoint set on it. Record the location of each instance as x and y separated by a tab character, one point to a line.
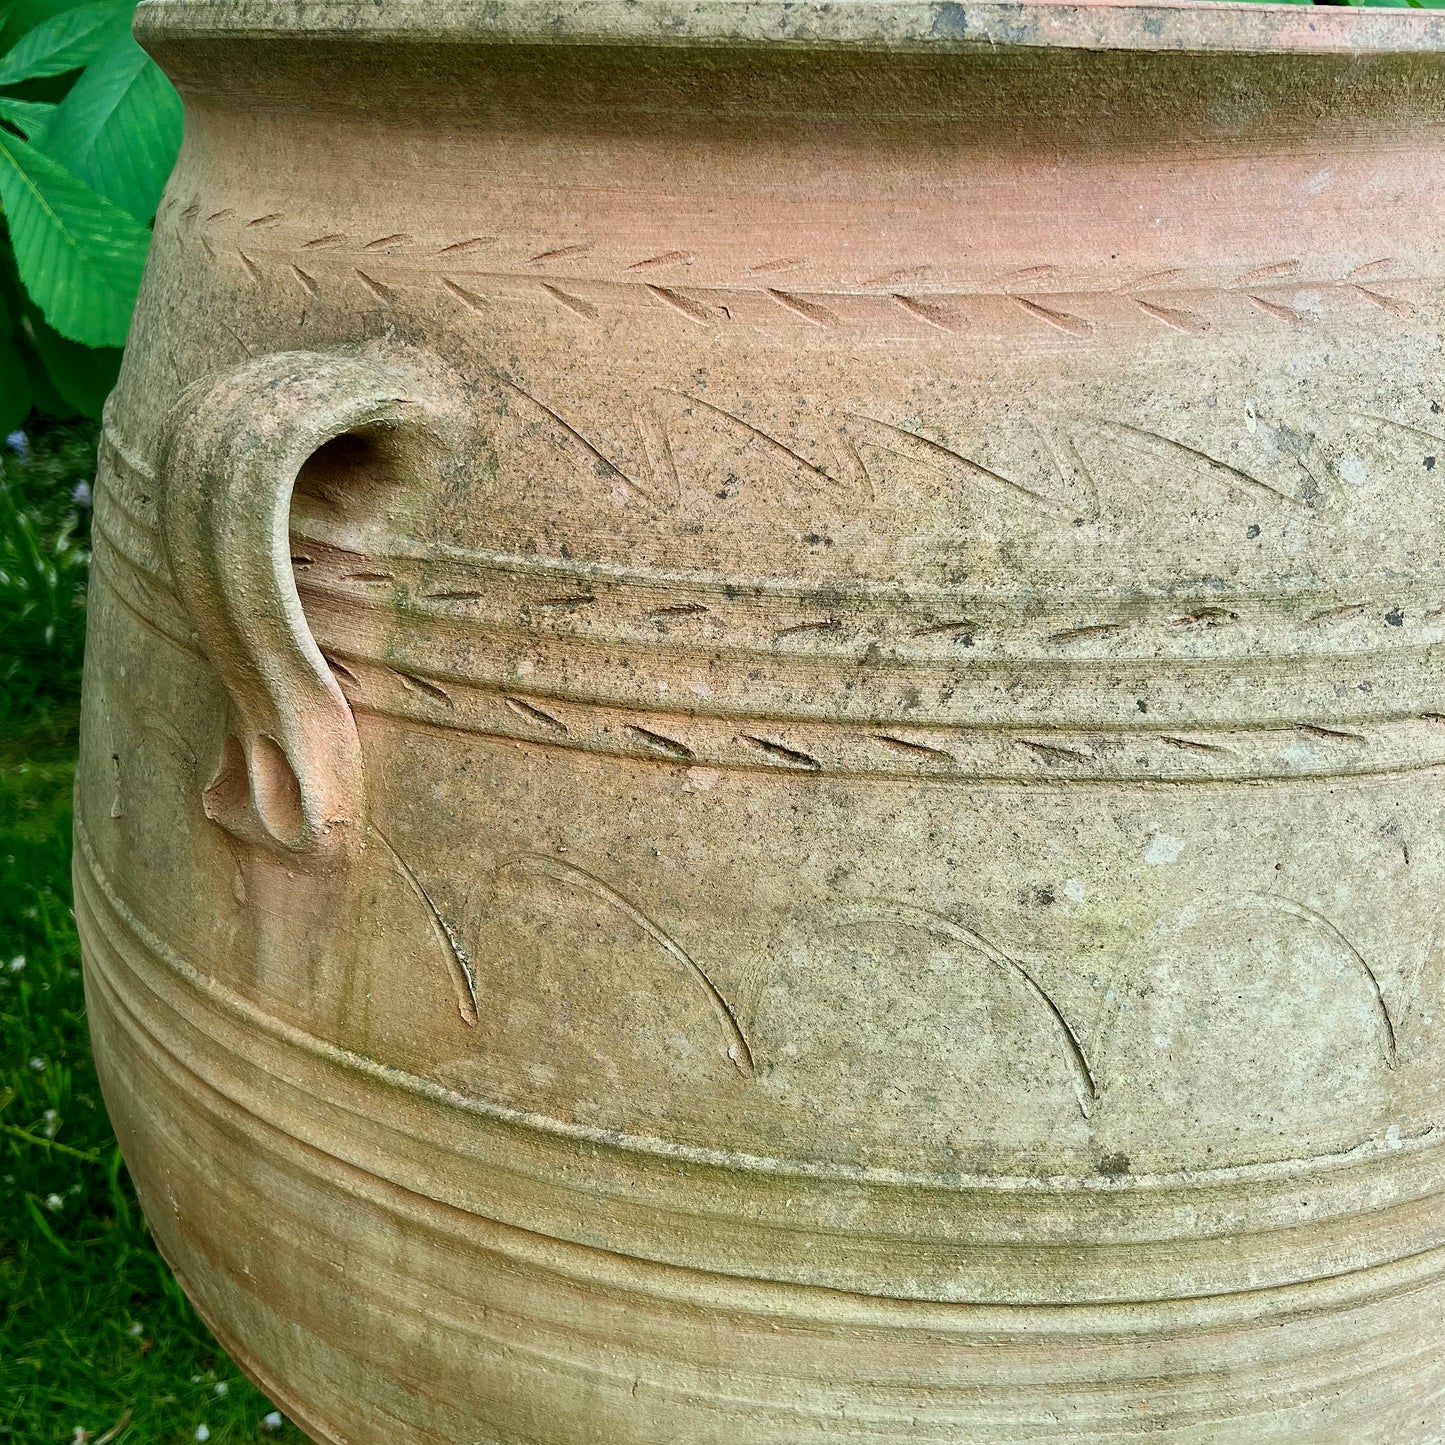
830	826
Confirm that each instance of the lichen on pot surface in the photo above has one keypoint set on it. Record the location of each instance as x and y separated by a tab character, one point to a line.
763	719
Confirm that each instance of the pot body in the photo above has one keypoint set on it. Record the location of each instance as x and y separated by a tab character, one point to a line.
846	840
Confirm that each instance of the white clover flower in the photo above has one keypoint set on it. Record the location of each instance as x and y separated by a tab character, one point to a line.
222	1388
54	1202
203	1432
38	1064
272	1421
17	963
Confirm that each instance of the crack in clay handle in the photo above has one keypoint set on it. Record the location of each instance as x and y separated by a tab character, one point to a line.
290	774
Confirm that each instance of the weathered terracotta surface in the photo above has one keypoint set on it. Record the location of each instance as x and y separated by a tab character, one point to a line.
857	853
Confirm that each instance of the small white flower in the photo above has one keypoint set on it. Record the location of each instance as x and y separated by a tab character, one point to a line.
135	1329
54	1202
222	1388
203	1432
16	964
272	1421
38	1064
81	1436
52	1122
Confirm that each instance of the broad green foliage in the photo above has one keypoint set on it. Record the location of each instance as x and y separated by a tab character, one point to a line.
64	42
89	129
119	127
79	255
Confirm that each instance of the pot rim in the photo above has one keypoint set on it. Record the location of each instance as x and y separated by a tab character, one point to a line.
1190	26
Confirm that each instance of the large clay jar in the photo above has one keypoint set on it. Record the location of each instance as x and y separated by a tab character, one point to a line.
764	722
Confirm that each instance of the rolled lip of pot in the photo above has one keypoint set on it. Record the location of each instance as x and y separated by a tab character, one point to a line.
1199	26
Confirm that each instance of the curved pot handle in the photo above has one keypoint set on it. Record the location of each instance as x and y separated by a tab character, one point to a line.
290	772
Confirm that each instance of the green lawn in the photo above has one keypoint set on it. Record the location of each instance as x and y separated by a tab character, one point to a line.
97	1343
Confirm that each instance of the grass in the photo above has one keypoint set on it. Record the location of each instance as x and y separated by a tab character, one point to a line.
97	1342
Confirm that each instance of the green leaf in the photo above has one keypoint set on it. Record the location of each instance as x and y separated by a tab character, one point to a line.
65	41
15	399
119	128
83	376
79	256
28	116
25	15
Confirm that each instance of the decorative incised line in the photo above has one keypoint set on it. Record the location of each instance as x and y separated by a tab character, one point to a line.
853	632
1059	320
940	753
668	258
1172	317
573	303
469	298
1319	923
933	451
1085	1089
676	301
916	307
561	253
378	289
110	928
617	603
527	866
608	468
465	248
792	458
1034	298
464	973
1001	754
1212	464
529	712
525	597
509	706
755	619
808	310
